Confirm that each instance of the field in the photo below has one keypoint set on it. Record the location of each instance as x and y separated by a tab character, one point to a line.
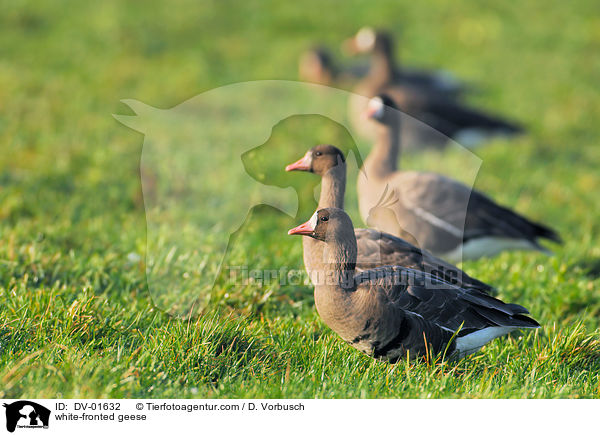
77	319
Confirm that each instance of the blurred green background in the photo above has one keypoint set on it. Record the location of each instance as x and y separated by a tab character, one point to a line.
76	319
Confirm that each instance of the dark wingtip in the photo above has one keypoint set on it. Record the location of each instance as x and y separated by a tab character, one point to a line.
516	128
553	235
532	323
556	238
544	232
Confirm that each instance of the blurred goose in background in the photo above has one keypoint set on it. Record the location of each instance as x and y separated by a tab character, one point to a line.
428	98
393	312
317	65
374	247
384	69
437	213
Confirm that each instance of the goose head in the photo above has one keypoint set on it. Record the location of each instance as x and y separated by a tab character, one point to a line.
319	160
316	66
327	225
369	40
382	109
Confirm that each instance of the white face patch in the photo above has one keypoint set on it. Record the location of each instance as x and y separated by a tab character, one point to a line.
375	107
308	158
365	39
313	221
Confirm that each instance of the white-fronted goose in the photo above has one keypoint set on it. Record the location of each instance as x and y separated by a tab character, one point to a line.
317	65
392	312
385	68
375	248
435	212
427	103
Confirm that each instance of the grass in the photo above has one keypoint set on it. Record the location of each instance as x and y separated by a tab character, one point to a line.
77	318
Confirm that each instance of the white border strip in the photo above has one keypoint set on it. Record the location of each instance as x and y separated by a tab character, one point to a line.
249	416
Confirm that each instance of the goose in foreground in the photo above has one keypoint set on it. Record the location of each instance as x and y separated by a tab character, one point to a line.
392	312
375	248
437	213
430	104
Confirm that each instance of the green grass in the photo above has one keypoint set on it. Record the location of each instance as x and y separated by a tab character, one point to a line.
76	316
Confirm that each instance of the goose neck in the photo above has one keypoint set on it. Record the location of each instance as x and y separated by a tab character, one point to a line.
333	186
383	159
338	263
382	66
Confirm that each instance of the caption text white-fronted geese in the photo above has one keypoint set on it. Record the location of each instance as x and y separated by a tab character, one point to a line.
440	214
391	311
375	248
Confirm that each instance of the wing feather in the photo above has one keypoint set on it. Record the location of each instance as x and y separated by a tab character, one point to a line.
376	248
440	302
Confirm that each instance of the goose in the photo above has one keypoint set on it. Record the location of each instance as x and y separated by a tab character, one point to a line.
375	248
385	68
439	214
393	312
317	65
431	103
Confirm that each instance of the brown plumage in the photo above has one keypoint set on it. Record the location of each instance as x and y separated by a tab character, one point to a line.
391	311
375	248
439	214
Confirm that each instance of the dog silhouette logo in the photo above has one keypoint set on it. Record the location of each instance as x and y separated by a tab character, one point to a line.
26	414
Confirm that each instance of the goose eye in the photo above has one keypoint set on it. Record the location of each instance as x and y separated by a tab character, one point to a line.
324	218
318	153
